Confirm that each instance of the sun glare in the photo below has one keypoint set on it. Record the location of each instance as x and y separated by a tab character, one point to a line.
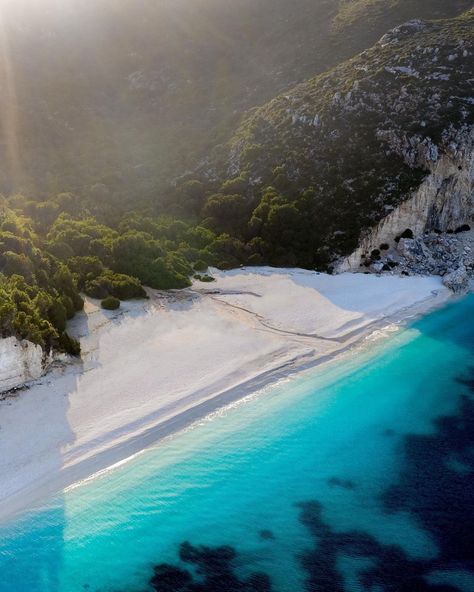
8	101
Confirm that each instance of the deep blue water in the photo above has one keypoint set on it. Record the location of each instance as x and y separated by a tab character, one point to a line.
358	476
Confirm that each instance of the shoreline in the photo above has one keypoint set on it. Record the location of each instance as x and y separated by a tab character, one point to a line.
79	461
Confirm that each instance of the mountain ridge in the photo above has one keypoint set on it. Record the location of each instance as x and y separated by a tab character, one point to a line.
131	94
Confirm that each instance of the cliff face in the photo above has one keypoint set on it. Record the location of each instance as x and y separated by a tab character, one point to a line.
443	202
20	361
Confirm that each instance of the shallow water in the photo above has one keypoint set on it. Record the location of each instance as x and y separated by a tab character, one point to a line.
355	477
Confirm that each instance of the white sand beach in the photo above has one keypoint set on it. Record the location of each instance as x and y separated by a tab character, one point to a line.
155	366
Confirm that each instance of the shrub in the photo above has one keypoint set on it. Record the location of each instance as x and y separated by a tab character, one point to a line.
60	249
85	268
255	259
227	212
68	304
110	303
69	345
78	302
114	284
237	185
207	278
97	288
57	314
14	263
163	275
200	265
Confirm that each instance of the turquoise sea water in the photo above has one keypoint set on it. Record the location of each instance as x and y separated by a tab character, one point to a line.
358	476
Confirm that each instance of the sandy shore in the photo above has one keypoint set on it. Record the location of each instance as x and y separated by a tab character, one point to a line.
156	366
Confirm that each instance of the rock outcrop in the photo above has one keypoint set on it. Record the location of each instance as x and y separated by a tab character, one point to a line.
443	203
20	361
458	280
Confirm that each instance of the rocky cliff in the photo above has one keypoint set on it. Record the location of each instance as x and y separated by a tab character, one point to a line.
382	141
442	204
20	361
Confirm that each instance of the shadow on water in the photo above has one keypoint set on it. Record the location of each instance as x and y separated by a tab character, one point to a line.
434	488
37	565
451	324
34	563
32	544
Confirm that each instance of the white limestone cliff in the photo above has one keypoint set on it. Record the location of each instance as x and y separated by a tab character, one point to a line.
20	361
443	202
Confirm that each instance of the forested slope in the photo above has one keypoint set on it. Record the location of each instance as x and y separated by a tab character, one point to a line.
103	108
113	98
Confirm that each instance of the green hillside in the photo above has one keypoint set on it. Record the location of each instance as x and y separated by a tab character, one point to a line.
333	156
113	98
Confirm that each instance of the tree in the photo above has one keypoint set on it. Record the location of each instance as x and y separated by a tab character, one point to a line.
110	303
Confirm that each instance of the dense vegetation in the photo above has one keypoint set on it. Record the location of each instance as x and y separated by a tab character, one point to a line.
52	250
317	165
103	105
38	292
